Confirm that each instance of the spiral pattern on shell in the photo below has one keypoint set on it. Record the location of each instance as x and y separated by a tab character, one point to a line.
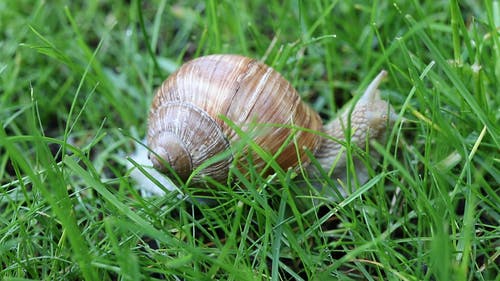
186	127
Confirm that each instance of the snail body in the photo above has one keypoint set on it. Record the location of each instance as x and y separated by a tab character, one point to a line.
187	122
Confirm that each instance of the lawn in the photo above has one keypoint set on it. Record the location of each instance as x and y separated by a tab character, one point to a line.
76	82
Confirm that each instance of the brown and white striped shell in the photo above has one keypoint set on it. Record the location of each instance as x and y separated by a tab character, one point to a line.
187	126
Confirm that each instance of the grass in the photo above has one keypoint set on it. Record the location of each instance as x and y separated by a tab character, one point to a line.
76	80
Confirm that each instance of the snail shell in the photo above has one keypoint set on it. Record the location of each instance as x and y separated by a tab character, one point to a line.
186	124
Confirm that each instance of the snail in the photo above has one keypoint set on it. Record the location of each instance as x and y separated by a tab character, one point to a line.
214	102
